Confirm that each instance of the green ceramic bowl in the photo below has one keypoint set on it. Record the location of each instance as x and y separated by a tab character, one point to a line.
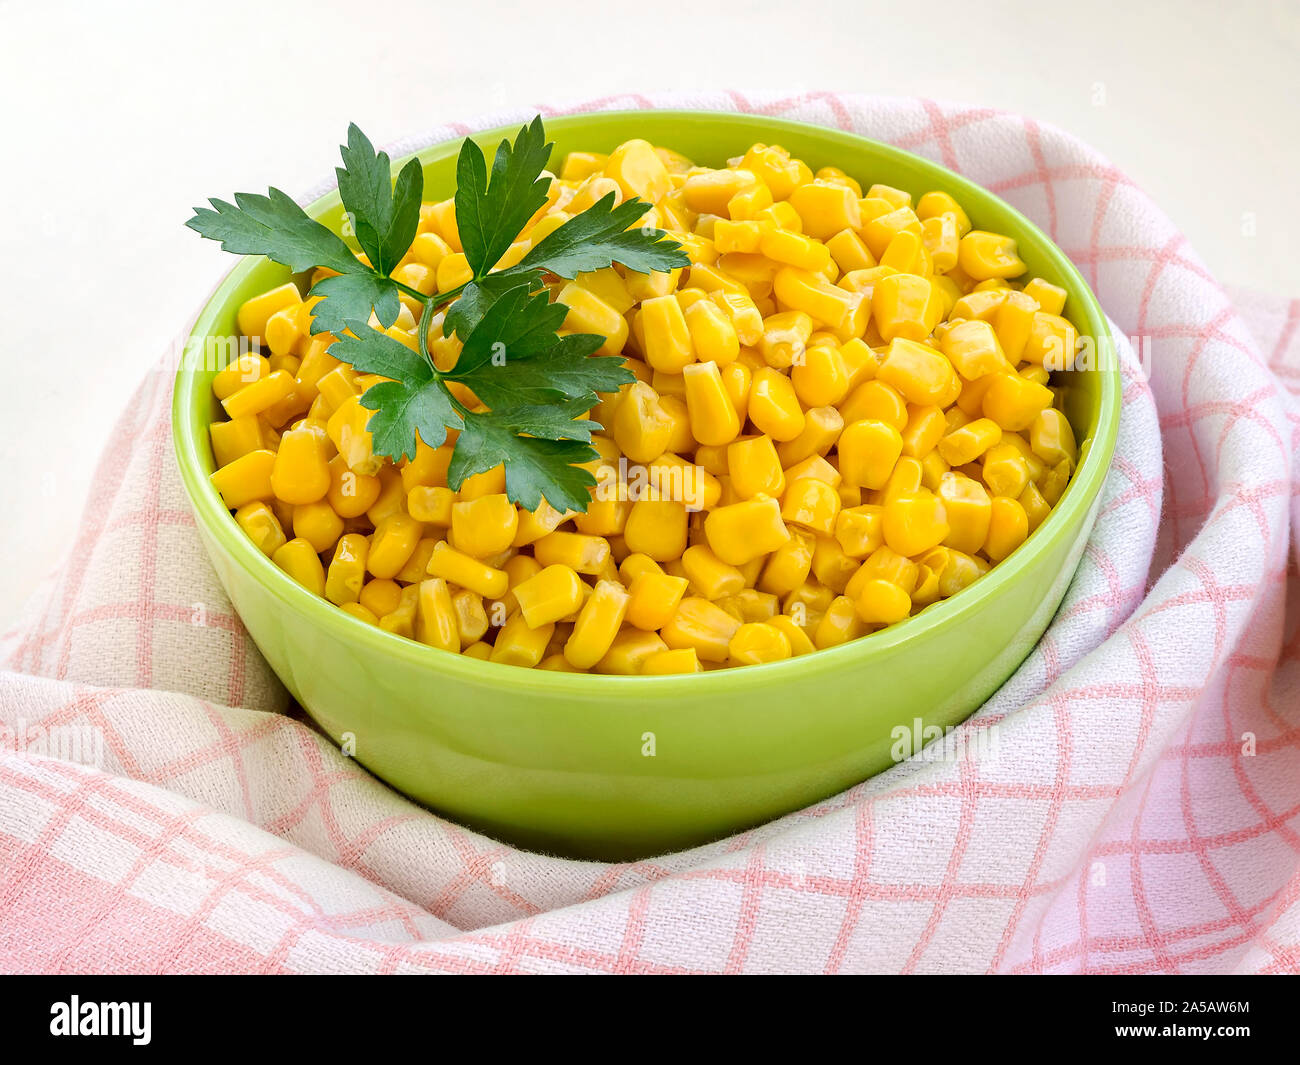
626	767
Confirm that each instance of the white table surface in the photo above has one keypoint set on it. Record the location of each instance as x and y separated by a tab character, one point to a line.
119	117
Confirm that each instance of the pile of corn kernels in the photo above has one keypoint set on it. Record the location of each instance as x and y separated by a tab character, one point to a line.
841	416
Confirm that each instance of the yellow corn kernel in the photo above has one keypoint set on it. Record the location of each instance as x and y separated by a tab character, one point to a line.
743	237
1008	528
318	525
816	467
811	504
868	451
667	344
702	625
555	663
843	312
243	370
740	309
299	559
656	527
849	252
588	313
754	467
642	287
471	617
972	347
642	428
337	386
1052	439
351	494
639	171
784	337
774	167
484	526
603	517
235	438
875	400
598	623
401	620
347	570
905	305
586	554
432	506
967	508
821	430
940	238
799	642
681	660
709	191
246	479
983	255
262	526
260	395
253	314
579	166
747	204
888	565
1005	470
743	531
821	378
1054	481
906	253
925	428
1050	298
773	405
458	568
1013	321
360	612
936	204
859	530
416	567
392	544
831	567
709	575
713	336
301	472
880	230
629	652
550	595
794	249
347	429
757	642
1014	402
1052	342
788	566
713	416
914	523
919	373
380	596
970	441
517	644
839	624
825	208
881	602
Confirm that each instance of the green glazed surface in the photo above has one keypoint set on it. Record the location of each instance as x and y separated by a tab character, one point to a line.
554	761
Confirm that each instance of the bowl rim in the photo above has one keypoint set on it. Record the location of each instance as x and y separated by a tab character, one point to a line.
1081	493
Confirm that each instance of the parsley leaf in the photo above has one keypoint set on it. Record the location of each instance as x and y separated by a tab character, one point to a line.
478	296
384	218
537	466
275	226
352	296
519	325
489	216
414	401
599	237
569	370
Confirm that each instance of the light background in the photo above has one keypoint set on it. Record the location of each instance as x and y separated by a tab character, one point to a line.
119	117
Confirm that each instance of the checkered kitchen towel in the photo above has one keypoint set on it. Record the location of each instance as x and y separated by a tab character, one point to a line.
1142	813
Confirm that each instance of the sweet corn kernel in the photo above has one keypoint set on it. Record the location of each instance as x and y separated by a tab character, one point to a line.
882	602
984	255
464	570
919	373
774	406
682	660
550	595
586	554
517	644
484	526
758	642
709	575
299	560
714	419
656	527
743	531
914	523
262	526
598	623
246	479
702	625
1008	528
1014	402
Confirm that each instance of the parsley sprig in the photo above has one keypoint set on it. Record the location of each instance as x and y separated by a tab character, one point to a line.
535	383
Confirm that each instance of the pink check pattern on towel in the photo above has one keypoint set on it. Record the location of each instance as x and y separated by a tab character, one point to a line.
1142	813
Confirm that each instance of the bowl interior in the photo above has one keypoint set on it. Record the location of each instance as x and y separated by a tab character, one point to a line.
1092	397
